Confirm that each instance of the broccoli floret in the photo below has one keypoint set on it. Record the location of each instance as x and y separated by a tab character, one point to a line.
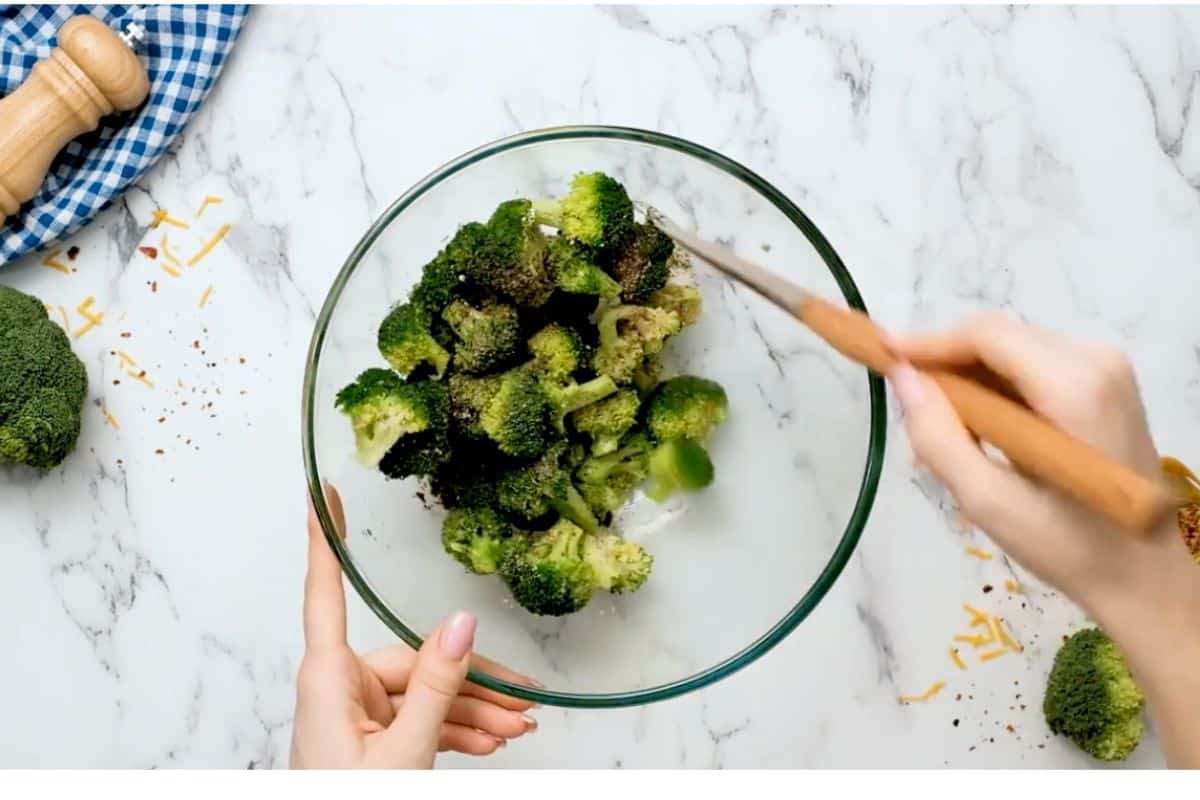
685	301
517	417
565	398
439	281
489	338
382	408
469	479
678	465
606	482
508	256
617	565
574	271
535	490
476	537
686	407
640	265
469	396
42	385
1092	699
608	420
406	341
547	573
596	212
629	335
557	352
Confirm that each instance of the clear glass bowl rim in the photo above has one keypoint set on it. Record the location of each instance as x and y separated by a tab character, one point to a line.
867	488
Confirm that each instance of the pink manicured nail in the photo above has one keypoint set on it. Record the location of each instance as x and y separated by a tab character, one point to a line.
458	634
531	724
908	387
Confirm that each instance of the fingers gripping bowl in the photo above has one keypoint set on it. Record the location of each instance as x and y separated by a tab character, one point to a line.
736	566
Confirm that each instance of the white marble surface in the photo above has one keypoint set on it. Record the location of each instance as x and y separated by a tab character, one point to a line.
1040	160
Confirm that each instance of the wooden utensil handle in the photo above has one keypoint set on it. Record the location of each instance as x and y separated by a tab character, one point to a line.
1129	499
90	74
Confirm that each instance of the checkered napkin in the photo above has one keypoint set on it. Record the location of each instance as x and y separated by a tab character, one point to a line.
183	50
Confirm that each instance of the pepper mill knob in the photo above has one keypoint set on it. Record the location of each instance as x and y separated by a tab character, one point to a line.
92	73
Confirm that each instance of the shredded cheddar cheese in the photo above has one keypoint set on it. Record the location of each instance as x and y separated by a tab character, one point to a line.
167	268
140	376
126	359
956	658
1012	586
49	261
161	216
85	329
925	695
1008	641
977	617
166	251
990	654
209	245
975	640
204	297
210	200
110	419
66	318
981	554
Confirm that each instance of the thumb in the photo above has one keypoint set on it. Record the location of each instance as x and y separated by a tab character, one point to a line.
437	677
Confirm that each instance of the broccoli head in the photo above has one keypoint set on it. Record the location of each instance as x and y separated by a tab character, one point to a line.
571	396
596	212
407	343
469	396
685	301
382	408
475	537
617	565
608	420
42	385
517	416
557	352
535	490
686	407
1091	697
629	335
640	265
489	338
508	256
439	281
574	271
547	573
678	465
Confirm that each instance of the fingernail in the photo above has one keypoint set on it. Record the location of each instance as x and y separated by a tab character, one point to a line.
457	636
536	684
907	383
501	743
531	724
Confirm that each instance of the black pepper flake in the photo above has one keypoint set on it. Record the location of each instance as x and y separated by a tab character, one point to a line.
955	723
72	252
987	587
158	452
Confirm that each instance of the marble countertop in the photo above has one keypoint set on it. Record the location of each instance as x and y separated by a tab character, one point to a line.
1041	160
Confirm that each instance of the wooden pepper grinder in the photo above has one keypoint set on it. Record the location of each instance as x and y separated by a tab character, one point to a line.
92	73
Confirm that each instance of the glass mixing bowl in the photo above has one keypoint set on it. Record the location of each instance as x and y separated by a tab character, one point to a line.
737	566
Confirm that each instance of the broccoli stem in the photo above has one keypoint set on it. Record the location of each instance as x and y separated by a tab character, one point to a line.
547	212
576	509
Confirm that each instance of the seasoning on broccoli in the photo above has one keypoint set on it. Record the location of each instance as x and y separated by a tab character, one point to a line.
608	420
686	407
557	352
1091	697
439	281
382	408
469	396
542	487
513	261
617	565
575	272
596	212
42	385
629	335
517	418
406	341
640	265
489	338
476	537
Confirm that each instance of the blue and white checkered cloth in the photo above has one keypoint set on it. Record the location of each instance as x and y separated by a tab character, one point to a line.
184	49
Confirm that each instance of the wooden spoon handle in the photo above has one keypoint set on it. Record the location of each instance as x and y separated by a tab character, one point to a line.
1131	500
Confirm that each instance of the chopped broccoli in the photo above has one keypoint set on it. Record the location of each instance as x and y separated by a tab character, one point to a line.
596	212
489	338
629	335
574	271
640	265
547	573
608	420
557	352
469	479
678	465
606	482
685	301
476	537
1092	699
469	396
406	341
647	376
568	397
422	452
517	416
686	407
617	565
382	408
439	281
42	385
535	490
511	260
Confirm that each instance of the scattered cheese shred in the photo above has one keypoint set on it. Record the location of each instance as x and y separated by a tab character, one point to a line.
167	268
110	419
990	654
49	261
140	376
126	359
1009	642
166	251
161	216
1012	586
975	551
977	617
86	304
925	695
956	658
204	297
210	200
85	329
66	318
975	640
209	245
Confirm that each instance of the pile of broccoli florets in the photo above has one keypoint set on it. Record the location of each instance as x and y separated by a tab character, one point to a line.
42	385
525	386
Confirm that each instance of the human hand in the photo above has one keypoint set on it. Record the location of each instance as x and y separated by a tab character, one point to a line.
392	708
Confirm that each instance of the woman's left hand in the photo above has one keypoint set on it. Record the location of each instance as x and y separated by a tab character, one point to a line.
393	708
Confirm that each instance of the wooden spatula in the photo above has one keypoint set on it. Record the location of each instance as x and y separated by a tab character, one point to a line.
986	406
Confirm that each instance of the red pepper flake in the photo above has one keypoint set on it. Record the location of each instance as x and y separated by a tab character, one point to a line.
162	420
154	287
196	345
72	251
242	360
149	252
1010	728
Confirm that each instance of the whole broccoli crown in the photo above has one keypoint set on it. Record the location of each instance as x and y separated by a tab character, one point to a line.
423	451
686	407
533	490
685	301
513	259
469	395
42	385
628	336
406	341
557	352
489	337
608	420
617	565
597	212
382	408
1091	697
517	417
439	281
547	574
678	465
640	266
575	272
475	537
